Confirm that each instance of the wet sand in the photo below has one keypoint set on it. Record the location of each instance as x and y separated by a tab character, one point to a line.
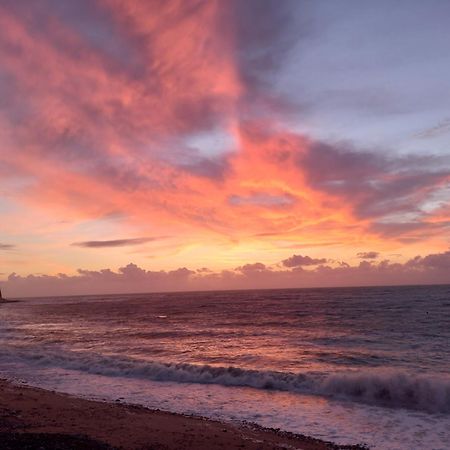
32	418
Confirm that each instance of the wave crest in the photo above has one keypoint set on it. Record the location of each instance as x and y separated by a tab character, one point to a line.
391	389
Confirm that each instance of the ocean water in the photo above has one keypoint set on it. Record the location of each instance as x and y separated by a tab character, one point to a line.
351	365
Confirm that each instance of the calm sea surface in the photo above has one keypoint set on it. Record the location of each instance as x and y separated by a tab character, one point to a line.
351	365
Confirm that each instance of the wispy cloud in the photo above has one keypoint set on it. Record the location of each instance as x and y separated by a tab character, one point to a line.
7	246
368	255
442	127
117	242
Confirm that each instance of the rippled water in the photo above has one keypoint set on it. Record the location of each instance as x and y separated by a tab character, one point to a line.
315	361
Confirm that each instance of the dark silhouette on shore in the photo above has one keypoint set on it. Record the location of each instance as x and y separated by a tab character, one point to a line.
5	300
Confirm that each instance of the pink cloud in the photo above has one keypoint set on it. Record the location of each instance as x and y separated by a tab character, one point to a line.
103	99
430	269
299	261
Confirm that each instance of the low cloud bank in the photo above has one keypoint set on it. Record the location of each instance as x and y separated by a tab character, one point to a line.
430	269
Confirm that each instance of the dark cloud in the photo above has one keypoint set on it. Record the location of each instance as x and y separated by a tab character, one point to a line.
252	268
213	168
116	242
413	231
436	260
368	255
299	260
339	167
374	184
7	246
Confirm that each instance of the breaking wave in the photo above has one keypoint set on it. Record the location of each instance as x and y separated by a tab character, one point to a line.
389	389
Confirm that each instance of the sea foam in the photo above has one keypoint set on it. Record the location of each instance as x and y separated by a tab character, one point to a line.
395	389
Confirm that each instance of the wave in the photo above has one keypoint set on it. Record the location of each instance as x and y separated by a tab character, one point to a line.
388	389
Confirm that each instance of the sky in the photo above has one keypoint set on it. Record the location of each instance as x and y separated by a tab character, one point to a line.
169	145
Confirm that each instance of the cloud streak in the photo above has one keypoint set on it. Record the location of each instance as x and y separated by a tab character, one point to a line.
442	127
368	255
7	246
115	242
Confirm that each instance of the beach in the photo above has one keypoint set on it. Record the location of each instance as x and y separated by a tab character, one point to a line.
47	419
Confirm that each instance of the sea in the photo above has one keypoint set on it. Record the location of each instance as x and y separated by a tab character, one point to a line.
363	365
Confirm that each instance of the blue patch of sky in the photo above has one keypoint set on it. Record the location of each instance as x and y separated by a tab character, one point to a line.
375	73
211	144
436	200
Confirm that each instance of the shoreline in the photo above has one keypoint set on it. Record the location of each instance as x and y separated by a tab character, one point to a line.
52	420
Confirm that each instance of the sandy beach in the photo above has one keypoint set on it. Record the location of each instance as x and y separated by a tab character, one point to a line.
32	418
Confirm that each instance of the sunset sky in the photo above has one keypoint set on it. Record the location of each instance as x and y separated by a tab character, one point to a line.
229	143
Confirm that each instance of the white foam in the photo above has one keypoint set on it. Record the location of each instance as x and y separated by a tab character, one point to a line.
395	389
